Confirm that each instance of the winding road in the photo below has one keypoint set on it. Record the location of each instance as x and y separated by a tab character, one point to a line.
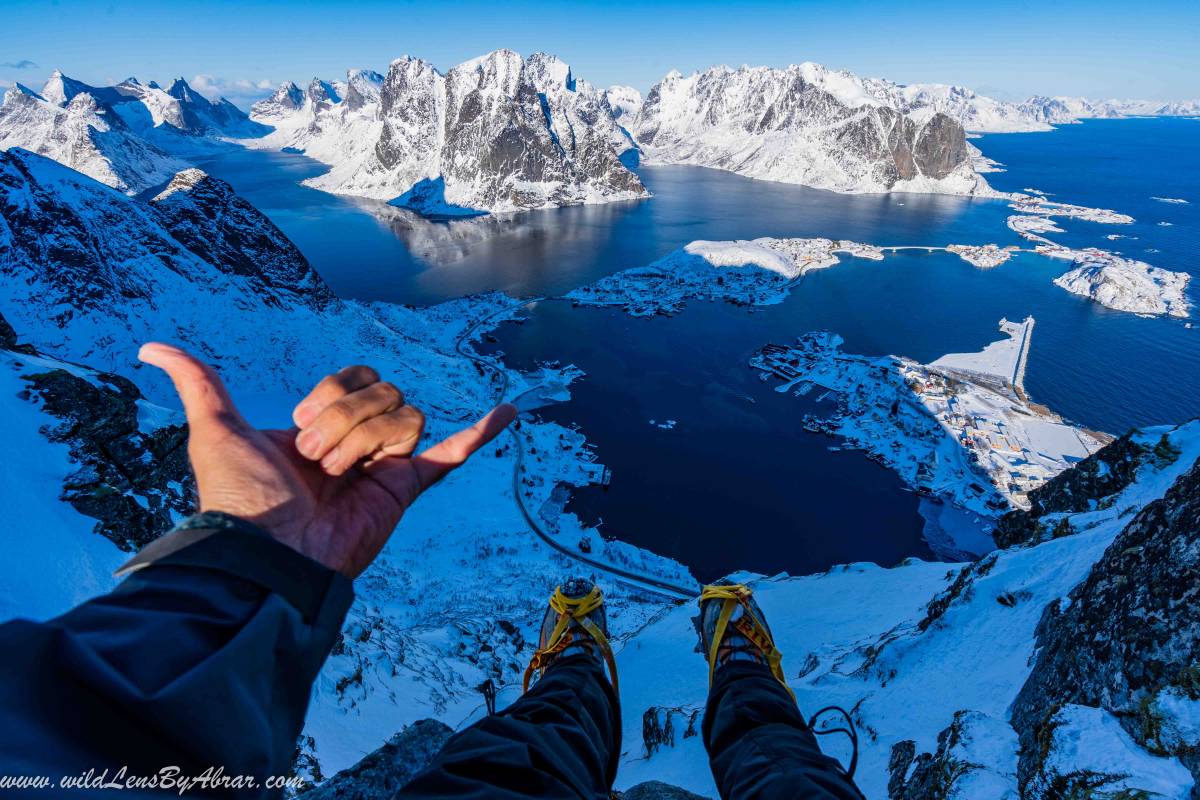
643	581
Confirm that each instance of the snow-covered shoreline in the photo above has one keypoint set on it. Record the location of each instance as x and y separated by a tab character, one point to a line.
755	272
959	428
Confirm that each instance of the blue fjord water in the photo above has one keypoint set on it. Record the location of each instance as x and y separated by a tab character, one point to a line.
736	483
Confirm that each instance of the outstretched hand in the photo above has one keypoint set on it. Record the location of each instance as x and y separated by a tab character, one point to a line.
335	486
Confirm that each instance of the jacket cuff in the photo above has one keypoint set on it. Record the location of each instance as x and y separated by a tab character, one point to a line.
221	542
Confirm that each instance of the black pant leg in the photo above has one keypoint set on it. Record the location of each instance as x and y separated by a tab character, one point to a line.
759	745
559	740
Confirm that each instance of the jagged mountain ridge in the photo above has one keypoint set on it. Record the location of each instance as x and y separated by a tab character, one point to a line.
1060	110
129	136
84	135
497	133
804	124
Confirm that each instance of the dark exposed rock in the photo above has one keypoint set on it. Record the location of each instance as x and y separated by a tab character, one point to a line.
657	790
959	588
1104	473
658	726
929	776
8	339
1128	632
133	483
939	146
207	217
379	775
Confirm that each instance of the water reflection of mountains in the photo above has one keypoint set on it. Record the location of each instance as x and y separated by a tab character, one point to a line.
536	235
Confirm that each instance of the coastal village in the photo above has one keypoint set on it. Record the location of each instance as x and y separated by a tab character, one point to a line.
960	428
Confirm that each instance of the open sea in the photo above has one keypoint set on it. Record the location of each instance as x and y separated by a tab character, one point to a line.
736	483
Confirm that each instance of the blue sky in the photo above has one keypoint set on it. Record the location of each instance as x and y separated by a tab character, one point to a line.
1007	49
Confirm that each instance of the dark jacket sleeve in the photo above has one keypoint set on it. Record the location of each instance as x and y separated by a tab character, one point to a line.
204	657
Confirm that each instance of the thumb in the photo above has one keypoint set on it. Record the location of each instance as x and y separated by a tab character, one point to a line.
205	400
452	452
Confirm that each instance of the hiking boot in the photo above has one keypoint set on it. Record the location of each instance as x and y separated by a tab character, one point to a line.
731	627
575	622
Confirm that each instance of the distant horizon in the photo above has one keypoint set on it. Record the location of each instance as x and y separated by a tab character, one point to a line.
243	51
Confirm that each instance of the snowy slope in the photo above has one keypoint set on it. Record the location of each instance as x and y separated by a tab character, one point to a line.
804	124
497	133
914	651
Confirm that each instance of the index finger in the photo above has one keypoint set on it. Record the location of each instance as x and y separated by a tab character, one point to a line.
331	389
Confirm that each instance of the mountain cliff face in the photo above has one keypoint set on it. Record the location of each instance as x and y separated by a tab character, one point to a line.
86	247
498	133
1127	641
804	124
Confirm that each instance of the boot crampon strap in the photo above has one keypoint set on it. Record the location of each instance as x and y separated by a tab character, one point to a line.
572	609
748	625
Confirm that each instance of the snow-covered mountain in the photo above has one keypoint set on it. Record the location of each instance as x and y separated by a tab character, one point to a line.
975	112
623	101
804	124
1063	110
497	133
145	107
129	136
340	127
85	135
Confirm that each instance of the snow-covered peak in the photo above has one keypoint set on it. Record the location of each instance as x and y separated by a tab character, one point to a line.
363	87
320	91
60	89
803	124
181	90
23	90
545	70
286	99
496	74
623	101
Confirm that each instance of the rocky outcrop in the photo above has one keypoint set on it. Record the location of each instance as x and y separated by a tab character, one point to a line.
804	124
134	483
1083	488
956	769
1127	640
656	790
379	775
659	726
207	217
